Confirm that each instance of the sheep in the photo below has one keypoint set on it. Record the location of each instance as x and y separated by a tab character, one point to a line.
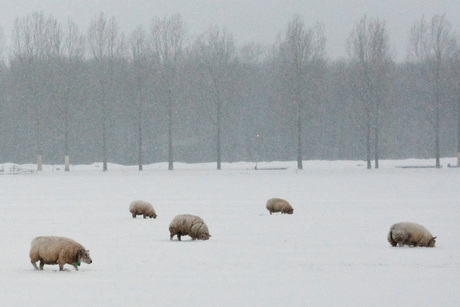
57	250
191	225
279	205
140	207
412	234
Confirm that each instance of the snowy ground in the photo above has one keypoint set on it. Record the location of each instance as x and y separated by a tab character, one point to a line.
332	251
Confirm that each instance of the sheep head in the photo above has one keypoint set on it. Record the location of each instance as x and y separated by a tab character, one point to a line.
432	242
83	256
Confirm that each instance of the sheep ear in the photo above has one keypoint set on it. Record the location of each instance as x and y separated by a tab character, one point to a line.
79	255
434	238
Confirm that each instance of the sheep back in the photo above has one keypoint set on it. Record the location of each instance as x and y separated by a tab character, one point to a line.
140	207
57	250
191	225
279	205
412	234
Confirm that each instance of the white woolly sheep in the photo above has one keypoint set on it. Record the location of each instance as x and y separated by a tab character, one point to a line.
191	225
57	250
412	234
279	205
140	207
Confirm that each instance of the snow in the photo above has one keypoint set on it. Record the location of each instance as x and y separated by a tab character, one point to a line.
332	251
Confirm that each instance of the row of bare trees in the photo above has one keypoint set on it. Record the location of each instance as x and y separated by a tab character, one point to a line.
433	45
433	49
370	63
161	75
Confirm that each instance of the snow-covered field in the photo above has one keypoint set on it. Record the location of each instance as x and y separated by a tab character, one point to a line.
332	251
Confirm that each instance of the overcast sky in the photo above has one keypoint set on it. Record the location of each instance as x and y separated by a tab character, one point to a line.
248	20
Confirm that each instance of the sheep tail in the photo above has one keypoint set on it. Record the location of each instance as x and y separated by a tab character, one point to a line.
390	239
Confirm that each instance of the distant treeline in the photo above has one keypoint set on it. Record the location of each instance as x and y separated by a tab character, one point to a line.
156	95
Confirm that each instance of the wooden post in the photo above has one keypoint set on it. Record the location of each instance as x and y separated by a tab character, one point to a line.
66	163
39	163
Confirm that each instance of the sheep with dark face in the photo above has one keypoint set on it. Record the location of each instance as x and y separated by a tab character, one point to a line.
191	225
279	205
140	207
412	234
57	250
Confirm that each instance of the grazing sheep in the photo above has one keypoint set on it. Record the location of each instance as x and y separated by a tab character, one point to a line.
186	224
140	207
411	234
57	250
279	205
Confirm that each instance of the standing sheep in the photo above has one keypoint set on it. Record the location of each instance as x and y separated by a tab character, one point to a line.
412	234
191	225
279	205
140	207
57	250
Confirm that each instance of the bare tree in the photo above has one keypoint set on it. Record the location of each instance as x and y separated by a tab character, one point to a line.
299	50
2	60
141	71
370	57
167	36
106	46
455	83
2	45
71	60
37	40
431	45
217	53
3	73
250	70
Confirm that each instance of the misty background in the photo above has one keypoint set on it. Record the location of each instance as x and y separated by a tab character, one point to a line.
172	87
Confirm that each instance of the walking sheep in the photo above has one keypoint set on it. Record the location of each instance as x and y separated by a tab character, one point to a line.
191	225
279	205
411	234
140	207
57	250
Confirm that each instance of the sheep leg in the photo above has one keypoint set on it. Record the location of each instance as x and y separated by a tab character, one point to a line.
35	265
134	215
143	215
42	264
75	266
61	267
178	236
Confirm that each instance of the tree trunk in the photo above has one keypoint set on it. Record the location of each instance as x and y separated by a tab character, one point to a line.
66	135
170	121
458	132
368	143
139	123
39	144
39	162
438	111
376	148
299	137
104	137
376	129
437	142
219	131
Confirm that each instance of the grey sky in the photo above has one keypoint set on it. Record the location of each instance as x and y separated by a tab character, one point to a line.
248	20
